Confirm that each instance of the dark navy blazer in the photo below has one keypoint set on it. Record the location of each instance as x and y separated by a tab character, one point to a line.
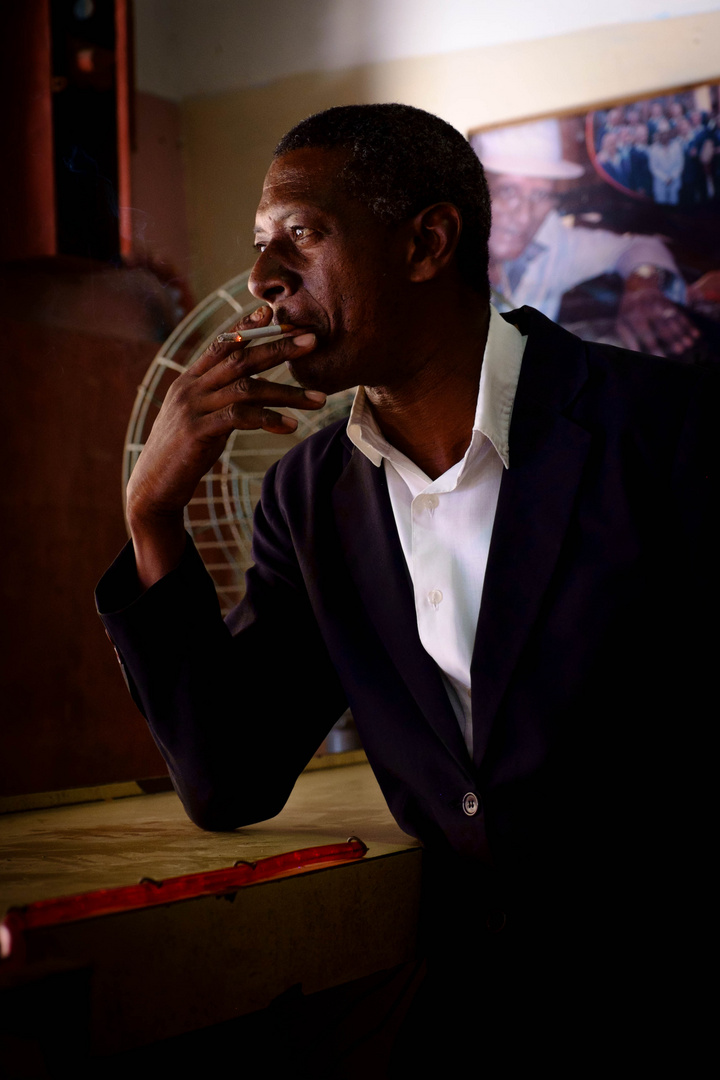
592	656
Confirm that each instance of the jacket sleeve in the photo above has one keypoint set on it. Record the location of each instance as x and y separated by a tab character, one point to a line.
236	707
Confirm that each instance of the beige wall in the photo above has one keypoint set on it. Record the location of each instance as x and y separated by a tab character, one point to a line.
229	137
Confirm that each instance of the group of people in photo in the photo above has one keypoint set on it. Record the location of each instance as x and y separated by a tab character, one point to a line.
665	149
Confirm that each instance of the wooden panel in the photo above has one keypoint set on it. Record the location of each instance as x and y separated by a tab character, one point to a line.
27	187
67	395
123	91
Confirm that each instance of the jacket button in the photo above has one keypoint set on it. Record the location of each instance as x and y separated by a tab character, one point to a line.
470	804
495	921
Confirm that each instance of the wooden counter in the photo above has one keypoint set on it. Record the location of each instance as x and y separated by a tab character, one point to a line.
141	976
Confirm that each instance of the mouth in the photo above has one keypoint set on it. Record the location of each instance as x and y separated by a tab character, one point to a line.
507	230
504	240
294	326
283	316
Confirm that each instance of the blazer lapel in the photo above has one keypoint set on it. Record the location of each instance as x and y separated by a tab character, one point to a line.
373	554
547	455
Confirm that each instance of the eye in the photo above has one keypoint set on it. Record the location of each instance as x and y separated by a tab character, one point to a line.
538	197
296	232
300	232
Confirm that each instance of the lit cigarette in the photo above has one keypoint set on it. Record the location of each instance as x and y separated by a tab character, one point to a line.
256	332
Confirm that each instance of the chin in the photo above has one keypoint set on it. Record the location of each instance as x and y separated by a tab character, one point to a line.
318	377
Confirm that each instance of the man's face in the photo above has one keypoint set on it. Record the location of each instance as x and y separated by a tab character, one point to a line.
520	204
327	264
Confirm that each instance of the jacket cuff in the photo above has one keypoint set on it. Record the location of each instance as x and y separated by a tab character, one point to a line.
119	589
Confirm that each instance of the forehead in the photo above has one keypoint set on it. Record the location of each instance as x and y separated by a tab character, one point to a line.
305	179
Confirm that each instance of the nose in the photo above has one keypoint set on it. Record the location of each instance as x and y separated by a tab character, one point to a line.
522	212
516	203
270	278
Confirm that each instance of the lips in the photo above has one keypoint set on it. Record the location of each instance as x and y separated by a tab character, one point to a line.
299	323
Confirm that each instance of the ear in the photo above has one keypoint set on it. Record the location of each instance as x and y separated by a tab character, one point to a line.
434	240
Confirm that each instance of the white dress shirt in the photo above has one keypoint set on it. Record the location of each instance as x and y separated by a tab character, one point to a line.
444	525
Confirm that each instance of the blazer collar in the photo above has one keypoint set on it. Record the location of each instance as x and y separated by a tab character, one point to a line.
547	455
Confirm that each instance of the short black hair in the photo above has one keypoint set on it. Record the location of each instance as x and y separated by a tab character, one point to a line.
402	159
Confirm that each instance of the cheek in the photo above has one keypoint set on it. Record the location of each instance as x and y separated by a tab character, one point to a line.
507	243
361	295
511	233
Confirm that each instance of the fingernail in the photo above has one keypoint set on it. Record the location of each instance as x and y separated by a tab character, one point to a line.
259	313
315	395
304	339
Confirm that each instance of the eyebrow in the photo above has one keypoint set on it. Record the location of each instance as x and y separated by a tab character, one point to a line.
281	216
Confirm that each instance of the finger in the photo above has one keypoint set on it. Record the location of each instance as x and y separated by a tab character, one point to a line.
261	316
250	392
254	419
240	362
651	319
242	416
273	353
277	423
218	351
674	330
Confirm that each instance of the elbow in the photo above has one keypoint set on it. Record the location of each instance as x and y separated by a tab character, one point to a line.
211	818
216	813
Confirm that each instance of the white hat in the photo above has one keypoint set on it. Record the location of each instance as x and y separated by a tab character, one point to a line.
533	149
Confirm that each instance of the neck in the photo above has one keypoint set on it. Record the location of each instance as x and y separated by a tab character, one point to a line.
429	417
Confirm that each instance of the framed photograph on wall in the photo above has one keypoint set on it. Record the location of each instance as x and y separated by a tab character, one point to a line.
608	221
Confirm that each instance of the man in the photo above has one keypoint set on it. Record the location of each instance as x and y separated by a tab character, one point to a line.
612	156
640	175
666	159
535	257
501	566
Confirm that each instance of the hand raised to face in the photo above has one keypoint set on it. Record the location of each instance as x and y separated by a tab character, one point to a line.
220	393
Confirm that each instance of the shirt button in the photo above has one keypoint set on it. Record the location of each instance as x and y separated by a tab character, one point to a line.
435	597
471	804
431	502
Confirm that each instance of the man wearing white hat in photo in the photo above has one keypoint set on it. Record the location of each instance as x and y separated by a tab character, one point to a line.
536	257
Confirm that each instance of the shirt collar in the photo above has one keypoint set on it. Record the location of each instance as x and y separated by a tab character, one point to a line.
498	383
